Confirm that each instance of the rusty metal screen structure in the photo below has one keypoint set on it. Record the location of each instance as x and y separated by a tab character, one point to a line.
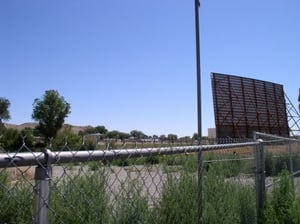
243	105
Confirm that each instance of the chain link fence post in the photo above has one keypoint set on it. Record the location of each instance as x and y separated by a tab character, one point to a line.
259	178
291	158
43	175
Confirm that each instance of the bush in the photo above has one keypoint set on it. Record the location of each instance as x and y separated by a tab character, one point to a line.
151	160
275	164
179	200
131	206
226	201
80	199
11	140
66	138
283	205
16	202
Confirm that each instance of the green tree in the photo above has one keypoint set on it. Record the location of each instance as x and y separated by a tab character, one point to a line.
88	130
172	137
4	112
101	129
162	138
123	135
93	130
50	112
11	139
66	139
138	134
195	137
27	134
113	135
154	137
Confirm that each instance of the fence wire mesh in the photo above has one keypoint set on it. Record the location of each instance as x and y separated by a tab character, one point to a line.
229	186
282	179
131	183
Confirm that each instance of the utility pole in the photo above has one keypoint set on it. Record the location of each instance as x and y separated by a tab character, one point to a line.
200	167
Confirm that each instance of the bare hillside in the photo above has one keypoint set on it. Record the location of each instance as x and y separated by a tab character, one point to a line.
74	128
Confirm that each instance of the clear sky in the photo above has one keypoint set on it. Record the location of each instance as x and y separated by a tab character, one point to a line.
130	64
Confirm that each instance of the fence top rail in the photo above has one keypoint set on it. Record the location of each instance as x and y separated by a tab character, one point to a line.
275	136
58	157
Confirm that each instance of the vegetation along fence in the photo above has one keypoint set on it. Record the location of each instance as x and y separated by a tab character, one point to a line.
239	182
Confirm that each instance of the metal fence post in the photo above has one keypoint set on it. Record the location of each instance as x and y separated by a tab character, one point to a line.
291	159
259	179
43	174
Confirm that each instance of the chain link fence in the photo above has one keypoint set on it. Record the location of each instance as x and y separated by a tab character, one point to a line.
281	199
141	184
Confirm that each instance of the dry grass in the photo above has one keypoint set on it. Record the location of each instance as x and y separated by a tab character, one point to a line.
74	128
19	174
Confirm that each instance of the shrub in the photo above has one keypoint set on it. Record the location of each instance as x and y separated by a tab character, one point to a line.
152	160
268	164
179	200
131	206
283	205
275	164
226	201
11	140
80	199
16	202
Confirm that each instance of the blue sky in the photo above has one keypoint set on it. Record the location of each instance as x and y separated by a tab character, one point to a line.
130	64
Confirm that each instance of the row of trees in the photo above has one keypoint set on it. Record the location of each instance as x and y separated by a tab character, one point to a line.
134	134
50	112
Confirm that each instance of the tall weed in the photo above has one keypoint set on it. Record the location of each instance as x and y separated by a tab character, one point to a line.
16	201
80	199
282	205
131	207
226	201
178	203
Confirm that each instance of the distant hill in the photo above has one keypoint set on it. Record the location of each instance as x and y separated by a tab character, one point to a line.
32	125
21	126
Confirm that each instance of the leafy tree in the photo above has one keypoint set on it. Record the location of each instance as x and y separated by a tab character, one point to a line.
50	112
172	137
11	139
27	133
4	112
154	137
93	130
185	139
101	129
66	137
162	138
123	136
117	135
138	134
88	130
113	134
195	137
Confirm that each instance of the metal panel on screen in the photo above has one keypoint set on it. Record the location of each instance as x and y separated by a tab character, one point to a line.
243	105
